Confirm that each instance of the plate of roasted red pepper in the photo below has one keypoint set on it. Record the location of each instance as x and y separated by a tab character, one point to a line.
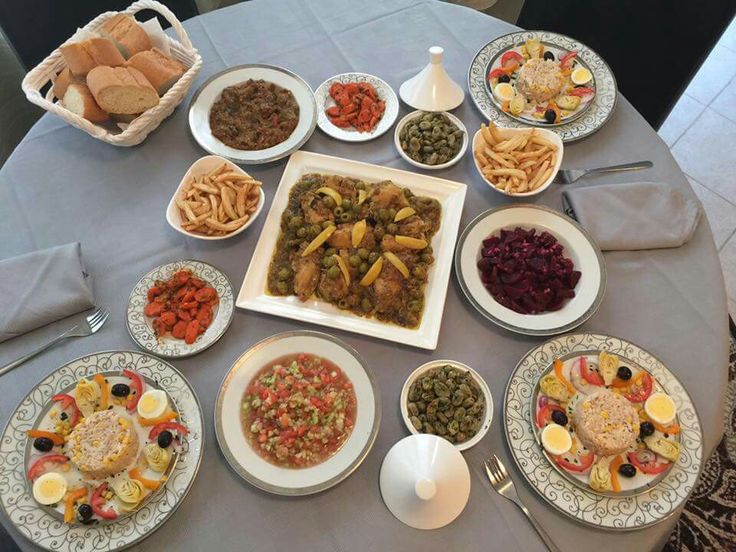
356	107
180	309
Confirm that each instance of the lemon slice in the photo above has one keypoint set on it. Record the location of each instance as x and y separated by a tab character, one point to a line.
398	263
334	194
556	439
319	240
358	232
660	408
372	273
411	243
581	76
362	195
343	269
403	213
504	92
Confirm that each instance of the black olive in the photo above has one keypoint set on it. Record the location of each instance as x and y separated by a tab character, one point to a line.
165	438
120	390
646	429
559	417
624	373
43	444
504	78
63	416
549	55
627	470
550	116
84	512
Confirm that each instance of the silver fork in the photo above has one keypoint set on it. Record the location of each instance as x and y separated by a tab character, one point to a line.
568	176
502	484
88	326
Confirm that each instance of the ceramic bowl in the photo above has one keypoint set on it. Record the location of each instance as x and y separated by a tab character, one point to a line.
457	122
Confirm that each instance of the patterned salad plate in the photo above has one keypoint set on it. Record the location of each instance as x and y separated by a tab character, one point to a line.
583	124
44	526
620	513
325	101
139	325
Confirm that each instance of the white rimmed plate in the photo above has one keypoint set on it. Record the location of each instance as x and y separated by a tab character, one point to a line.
488	413
579	247
385	93
43	527
601	512
139	325
507	133
209	92
457	122
451	195
257	471
202	166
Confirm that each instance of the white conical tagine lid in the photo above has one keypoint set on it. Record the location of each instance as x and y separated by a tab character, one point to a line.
432	89
425	481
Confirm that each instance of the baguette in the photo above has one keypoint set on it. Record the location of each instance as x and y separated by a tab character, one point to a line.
82	57
121	90
78	99
126	34
161	70
63	80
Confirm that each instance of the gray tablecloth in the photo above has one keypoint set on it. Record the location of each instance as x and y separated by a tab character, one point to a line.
60	185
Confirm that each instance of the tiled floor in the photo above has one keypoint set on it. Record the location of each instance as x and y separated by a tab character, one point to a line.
701	132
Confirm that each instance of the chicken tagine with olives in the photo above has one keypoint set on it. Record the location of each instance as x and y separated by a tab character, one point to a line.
364	247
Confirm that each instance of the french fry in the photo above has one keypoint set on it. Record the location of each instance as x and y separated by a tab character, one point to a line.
227	202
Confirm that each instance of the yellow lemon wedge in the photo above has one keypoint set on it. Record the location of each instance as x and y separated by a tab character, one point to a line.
334	194
362	196
411	243
358	233
372	273
319	240
343	269
581	76
398	263
404	212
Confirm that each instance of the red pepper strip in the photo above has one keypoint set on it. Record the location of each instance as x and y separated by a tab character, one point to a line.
67	402
585	462
155	430
39	467
511	56
97	501
650	468
545	414
582	91
39	434
593	378
496	73
137	384
568	57
613	466
640	388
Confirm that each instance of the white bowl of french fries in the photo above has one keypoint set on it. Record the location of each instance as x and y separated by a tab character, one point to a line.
517	162
215	200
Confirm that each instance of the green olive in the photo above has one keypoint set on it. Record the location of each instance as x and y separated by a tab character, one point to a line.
419	272
378	232
301	232
338	211
330	251
392	213
366	304
426	258
354	260
392	228
346	217
314	229
328	202
296	221
283	287
373	256
408	193
347	204
383	214
363	253
360	186
363	268
284	273
327	224
328	261
428	250
333	271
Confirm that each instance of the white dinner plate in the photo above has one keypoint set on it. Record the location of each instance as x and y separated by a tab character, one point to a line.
139	325
42	526
252	467
209	92
451	195
385	93
617	513
579	247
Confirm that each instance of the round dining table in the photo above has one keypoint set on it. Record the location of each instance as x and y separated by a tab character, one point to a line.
60	186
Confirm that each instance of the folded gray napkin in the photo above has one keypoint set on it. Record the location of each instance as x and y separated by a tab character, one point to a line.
635	215
41	287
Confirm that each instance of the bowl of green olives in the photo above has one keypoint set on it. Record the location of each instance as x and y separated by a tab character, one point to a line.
431	140
449	399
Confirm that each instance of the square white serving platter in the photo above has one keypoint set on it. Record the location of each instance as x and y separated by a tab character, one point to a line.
451	195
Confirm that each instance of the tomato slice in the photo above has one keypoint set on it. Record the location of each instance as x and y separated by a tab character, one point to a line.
585	462
582	91
496	73
67	402
593	378
158	428
511	56
566	60
640	388
40	466
97	501
647	467
544	414
136	382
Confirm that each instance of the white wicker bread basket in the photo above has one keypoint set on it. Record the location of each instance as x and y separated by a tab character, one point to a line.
137	131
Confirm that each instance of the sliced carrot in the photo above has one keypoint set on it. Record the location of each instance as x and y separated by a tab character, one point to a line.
562	378
104	398
70	501
151	484
615	464
40	434
166	417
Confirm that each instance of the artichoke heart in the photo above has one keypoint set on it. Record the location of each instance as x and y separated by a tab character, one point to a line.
664	447
600	475
554	388
608	366
88	394
157	458
129	491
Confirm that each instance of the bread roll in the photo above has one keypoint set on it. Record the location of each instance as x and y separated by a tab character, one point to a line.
126	34
82	57
160	70
78	99
63	80
121	90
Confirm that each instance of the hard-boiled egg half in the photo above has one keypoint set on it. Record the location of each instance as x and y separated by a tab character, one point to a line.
581	76
556	439
152	404
504	92
50	488
660	408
